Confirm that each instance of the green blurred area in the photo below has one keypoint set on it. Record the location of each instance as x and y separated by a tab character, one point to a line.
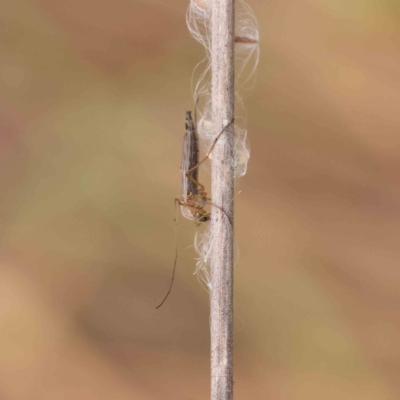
93	96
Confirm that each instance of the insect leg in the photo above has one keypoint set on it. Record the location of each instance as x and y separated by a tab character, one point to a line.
197	183
212	147
222	210
177	201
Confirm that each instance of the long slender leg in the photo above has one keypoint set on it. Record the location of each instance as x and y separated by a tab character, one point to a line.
212	147
197	211
197	183
177	201
221	209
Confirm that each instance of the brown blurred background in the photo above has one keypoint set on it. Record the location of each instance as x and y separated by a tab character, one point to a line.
93	95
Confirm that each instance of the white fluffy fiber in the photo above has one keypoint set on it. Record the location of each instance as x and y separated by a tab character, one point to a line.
246	59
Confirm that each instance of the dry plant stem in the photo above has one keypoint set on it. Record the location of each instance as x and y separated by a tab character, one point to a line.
222	78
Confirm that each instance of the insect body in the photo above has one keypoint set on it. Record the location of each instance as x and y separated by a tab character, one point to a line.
193	198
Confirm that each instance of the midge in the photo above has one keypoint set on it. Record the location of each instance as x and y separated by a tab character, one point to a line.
193	198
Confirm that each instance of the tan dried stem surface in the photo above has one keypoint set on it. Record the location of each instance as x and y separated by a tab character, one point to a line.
223	174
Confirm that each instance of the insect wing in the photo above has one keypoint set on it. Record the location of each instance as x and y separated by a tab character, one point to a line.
190	158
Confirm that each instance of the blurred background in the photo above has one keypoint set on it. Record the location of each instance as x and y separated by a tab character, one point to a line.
93	96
